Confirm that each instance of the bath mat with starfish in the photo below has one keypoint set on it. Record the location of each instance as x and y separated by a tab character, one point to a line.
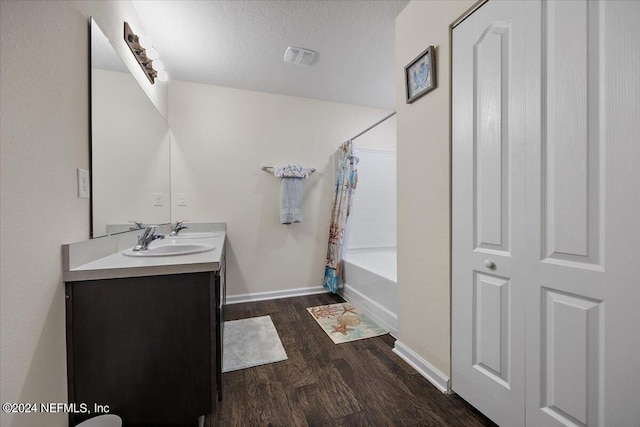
344	322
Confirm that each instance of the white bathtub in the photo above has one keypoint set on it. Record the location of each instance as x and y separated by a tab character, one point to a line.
370	283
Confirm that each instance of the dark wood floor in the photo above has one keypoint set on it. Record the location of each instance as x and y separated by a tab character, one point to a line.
361	383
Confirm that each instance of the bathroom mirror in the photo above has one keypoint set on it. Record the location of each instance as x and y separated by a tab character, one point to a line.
130	146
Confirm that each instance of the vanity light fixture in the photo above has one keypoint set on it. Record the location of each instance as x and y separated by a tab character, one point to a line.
146	55
145	41
159	67
162	76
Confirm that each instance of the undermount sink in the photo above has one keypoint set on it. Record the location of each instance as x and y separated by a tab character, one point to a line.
171	249
193	235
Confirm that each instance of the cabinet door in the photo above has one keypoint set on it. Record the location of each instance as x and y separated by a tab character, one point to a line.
221	292
144	346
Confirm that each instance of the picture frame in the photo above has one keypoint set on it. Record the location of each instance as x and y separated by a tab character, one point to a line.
420	75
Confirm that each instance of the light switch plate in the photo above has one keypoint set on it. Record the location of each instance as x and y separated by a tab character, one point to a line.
83	183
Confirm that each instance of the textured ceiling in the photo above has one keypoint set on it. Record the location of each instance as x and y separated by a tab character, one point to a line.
241	44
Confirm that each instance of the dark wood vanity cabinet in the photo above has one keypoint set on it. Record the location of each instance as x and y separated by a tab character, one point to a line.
148	347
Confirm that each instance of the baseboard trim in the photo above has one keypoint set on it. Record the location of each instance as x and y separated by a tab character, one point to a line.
262	296
426	369
376	312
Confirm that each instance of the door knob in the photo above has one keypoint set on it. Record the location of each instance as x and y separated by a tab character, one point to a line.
489	264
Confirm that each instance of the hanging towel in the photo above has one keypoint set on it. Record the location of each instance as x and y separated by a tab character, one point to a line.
290	171
291	192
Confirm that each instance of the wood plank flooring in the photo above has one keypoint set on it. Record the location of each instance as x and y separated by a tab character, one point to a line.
361	383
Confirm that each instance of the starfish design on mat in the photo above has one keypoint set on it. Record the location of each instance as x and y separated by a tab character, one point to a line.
324	311
341	328
346	309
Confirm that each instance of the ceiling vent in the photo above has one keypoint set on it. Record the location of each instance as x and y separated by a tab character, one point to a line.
299	56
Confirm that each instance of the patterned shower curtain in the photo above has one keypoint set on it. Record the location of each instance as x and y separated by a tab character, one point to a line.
346	182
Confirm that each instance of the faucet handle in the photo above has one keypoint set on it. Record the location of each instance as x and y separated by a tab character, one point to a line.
147	237
138	225
148	232
179	226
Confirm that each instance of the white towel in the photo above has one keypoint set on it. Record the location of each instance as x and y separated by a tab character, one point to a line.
291	171
291	200
291	192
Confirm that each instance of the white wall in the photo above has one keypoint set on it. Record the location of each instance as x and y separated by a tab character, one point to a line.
131	153
43	139
373	218
223	137
381	137
44	129
423	177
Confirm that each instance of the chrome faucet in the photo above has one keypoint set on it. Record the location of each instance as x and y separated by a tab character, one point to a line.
147	237
138	225
176	228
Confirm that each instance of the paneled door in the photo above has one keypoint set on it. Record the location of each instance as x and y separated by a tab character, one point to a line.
546	212
489	275
583	216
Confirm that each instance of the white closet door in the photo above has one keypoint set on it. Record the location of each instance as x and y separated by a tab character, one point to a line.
547	192
583	216
488	275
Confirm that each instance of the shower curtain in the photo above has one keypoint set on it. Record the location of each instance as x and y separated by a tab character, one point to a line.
346	182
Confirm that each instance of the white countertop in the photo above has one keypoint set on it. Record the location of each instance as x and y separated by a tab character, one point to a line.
118	265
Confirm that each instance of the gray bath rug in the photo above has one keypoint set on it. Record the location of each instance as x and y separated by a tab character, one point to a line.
251	342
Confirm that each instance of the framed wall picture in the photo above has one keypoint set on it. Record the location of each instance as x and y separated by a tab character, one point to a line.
420	75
